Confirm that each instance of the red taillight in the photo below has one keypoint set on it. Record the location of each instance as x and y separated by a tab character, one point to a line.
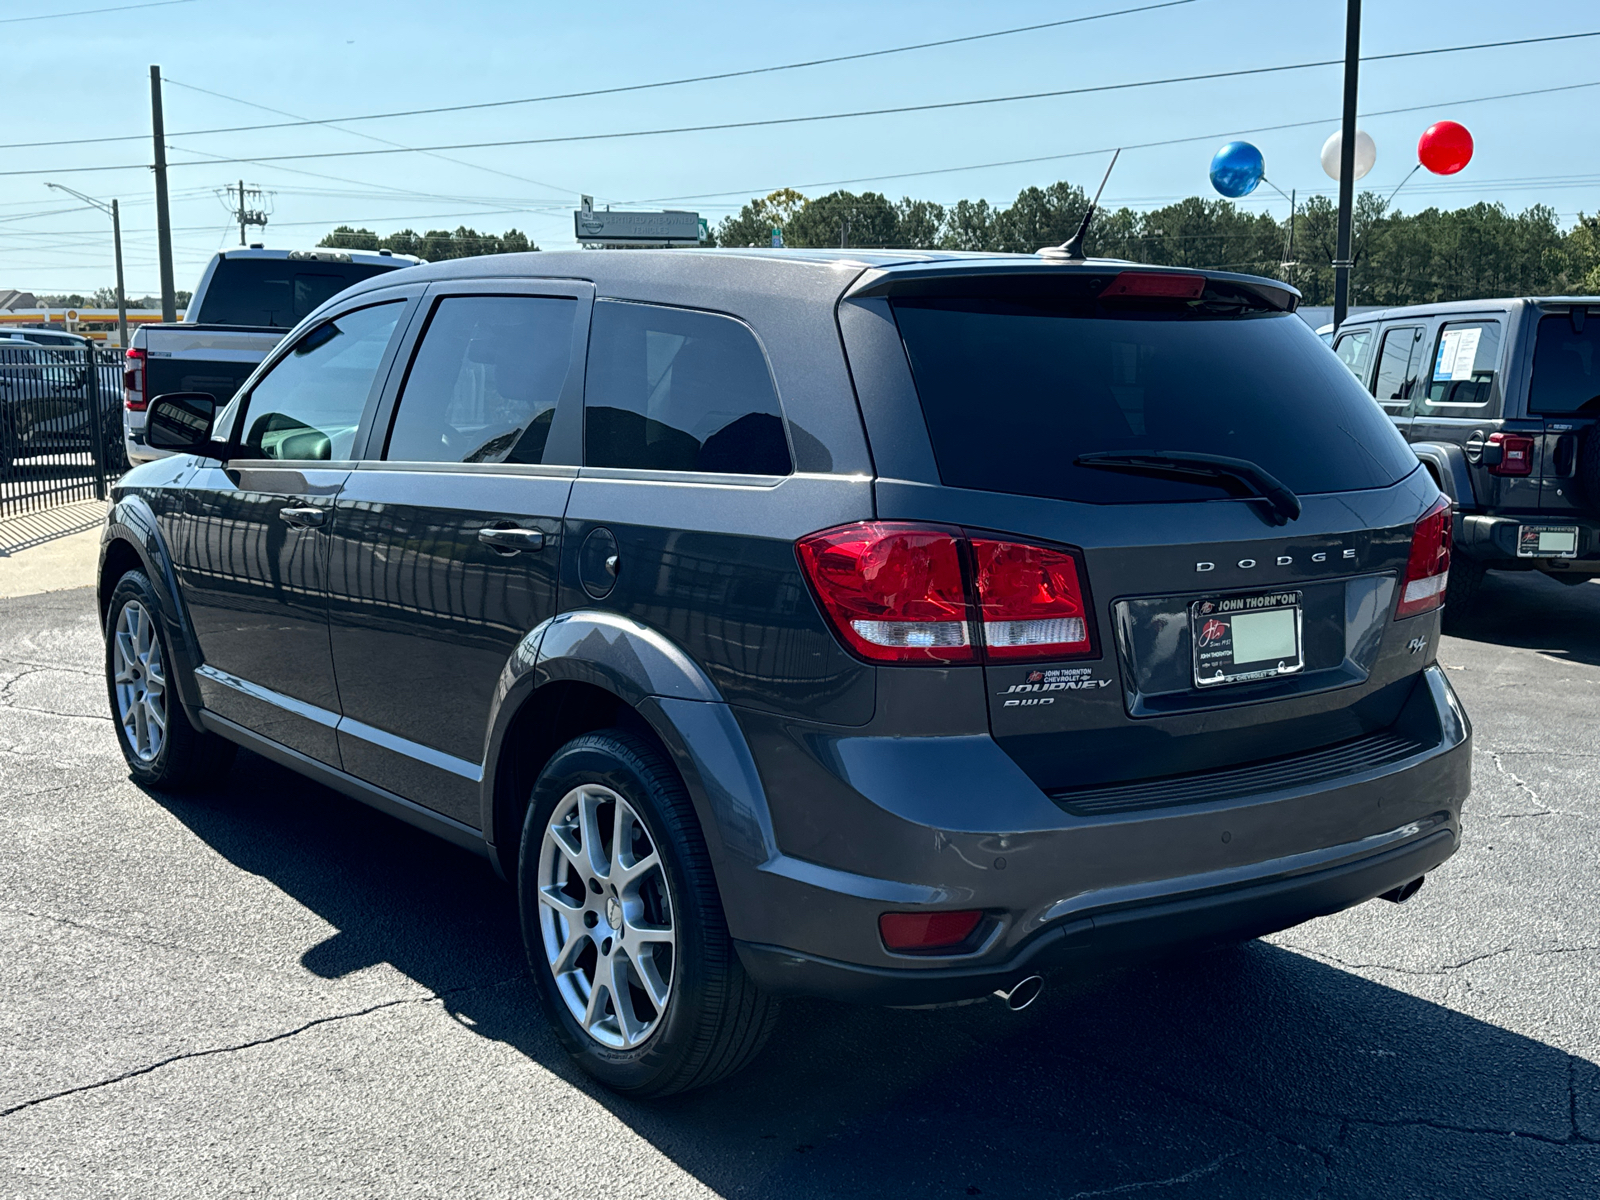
1031	601
894	591
1158	284
133	397
1428	568
1515	457
912	931
904	593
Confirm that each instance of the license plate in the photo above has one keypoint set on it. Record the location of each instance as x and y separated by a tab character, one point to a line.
1238	639
1547	541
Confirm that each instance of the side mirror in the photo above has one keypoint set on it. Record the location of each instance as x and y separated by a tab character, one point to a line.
181	421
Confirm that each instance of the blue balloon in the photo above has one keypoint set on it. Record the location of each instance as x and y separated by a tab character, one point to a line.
1237	169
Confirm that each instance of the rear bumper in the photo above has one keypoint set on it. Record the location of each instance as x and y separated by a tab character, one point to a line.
1078	893
1100	940
1492	541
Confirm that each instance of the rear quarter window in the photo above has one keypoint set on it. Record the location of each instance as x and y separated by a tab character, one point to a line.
1014	392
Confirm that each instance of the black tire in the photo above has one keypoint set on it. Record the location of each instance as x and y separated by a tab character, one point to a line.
185	757
1462	595
714	1020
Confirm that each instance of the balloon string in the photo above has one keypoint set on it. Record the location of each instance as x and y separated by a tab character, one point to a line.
1403	182
1274	187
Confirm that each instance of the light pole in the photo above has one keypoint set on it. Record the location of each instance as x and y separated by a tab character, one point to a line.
116	238
1347	163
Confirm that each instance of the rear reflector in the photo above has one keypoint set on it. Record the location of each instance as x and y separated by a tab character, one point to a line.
912	931
1428	568
896	592
1156	283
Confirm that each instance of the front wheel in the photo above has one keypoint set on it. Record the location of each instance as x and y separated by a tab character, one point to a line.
162	749
623	925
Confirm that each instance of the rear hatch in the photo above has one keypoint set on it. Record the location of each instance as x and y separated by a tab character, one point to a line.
1235	612
1564	419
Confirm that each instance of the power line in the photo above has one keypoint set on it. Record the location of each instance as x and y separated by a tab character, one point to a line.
357	133
1178	141
631	87
943	105
91	12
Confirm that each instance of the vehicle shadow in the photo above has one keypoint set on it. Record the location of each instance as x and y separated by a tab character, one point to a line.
1248	1072
1534	612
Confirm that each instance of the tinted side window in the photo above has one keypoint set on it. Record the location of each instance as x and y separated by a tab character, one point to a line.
669	389
1355	351
275	292
1566	365
309	404
484	383
1464	364
1397	367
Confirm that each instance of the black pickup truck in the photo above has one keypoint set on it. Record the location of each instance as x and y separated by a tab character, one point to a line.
1501	400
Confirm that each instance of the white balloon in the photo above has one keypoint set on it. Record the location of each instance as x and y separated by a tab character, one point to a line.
1366	153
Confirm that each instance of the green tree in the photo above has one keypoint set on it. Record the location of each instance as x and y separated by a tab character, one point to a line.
919	224
1040	217
969	225
867	221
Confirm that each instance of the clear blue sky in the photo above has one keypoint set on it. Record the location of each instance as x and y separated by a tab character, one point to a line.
87	76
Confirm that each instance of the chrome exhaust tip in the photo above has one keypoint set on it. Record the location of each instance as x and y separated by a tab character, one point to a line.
1405	891
1023	994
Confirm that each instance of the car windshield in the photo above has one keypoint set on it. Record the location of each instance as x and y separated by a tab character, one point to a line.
1014	391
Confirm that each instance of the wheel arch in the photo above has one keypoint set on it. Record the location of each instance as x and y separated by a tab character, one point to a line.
1447	463
585	671
132	541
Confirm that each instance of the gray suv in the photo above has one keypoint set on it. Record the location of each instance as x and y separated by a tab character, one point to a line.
1500	399
894	627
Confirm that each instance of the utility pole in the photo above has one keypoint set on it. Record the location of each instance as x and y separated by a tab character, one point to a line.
249	216
1347	163
241	212
169	296
116	240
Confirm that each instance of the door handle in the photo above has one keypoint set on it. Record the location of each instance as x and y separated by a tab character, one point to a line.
304	518
512	539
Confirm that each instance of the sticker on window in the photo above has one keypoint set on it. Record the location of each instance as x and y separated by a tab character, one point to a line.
1458	350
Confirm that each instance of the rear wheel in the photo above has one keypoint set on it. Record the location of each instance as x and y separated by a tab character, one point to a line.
623	926
162	749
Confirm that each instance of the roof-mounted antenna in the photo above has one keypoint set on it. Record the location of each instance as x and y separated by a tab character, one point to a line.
1072	248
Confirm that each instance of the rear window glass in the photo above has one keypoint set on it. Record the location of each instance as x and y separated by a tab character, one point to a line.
1014	392
275	292
1566	366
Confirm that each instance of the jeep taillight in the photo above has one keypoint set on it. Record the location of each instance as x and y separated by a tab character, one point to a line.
133	397
1428	567
1509	454
898	592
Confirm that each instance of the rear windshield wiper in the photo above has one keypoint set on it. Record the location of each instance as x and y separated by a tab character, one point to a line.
1181	464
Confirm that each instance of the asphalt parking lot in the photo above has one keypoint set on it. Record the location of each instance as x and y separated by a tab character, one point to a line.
268	990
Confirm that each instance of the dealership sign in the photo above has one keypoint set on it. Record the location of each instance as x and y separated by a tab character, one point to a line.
605	227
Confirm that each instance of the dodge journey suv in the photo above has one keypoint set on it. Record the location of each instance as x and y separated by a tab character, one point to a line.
898	628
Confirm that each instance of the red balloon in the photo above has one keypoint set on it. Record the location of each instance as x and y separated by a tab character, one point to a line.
1445	147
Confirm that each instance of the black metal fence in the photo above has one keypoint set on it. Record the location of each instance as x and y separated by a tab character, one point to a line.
60	425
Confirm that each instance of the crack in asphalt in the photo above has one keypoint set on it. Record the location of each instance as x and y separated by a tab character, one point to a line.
148	1068
1210	1168
1446	968
1573	1139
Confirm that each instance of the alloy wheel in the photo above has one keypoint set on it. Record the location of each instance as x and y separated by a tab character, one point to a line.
140	678
606	916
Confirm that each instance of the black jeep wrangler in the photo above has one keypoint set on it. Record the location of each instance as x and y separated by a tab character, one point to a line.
1501	400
